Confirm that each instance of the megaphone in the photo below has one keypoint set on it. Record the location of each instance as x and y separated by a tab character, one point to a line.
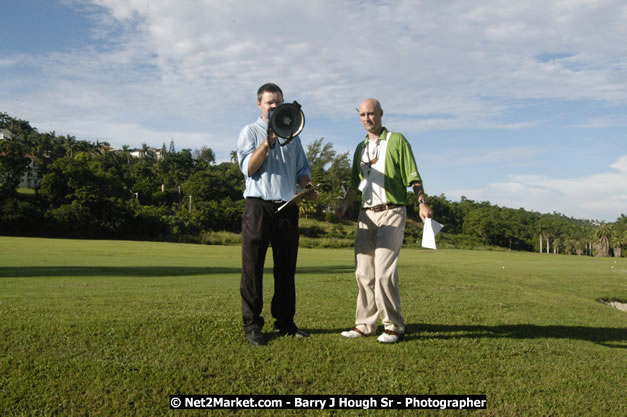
287	121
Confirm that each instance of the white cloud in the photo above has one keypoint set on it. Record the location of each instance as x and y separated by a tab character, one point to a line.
620	165
203	59
601	196
319	49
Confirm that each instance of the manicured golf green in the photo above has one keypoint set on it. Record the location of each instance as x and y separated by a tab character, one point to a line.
112	328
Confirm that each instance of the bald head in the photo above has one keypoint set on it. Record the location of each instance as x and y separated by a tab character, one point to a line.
371	103
370	113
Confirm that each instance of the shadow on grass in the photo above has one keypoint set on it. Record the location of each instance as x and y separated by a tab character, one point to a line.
607	336
145	271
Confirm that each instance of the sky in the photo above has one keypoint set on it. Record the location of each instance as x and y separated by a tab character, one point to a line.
522	104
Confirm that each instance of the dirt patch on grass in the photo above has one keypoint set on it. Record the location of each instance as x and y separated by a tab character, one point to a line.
615	304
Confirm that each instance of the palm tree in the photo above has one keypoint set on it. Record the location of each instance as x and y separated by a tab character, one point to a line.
144	150
42	149
69	142
603	233
126	153
581	246
618	242
542	230
557	242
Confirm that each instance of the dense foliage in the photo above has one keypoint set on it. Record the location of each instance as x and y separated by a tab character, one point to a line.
90	190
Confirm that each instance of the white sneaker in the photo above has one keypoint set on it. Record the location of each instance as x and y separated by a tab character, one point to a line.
389	336
352	333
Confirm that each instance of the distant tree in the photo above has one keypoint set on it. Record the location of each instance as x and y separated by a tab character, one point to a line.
215	183
88	191
126	154
603	235
338	174
147	153
618	241
46	148
481	222
83	197
174	168
17	127
620	232
445	211
331	171
13	164
69	143
319	156
205	156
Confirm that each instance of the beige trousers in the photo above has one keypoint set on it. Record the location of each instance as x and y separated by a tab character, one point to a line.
377	246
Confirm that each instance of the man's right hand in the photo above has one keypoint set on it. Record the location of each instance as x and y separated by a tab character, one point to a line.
340	211
256	161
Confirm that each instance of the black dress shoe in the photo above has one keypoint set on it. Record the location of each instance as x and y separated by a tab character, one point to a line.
255	337
292	331
299	333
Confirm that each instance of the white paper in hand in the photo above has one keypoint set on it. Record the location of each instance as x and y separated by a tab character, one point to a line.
430	231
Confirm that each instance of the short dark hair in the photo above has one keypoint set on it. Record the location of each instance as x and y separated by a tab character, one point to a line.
270	88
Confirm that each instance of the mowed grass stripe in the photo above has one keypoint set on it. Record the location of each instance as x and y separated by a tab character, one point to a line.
114	327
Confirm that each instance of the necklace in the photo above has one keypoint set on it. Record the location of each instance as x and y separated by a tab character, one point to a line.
370	156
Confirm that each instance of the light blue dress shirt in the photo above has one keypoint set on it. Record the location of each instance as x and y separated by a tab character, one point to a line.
276	178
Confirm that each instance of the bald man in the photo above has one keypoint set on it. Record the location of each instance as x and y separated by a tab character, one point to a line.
383	168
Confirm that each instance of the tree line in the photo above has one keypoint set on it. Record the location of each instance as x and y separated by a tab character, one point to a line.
87	189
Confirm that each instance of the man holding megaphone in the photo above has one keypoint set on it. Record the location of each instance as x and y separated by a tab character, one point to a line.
271	173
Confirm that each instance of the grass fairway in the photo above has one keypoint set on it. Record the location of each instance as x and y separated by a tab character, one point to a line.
110	328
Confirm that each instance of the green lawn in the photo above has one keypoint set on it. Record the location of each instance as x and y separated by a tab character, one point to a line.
112	328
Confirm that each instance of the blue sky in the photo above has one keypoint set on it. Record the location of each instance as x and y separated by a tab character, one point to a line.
523	105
